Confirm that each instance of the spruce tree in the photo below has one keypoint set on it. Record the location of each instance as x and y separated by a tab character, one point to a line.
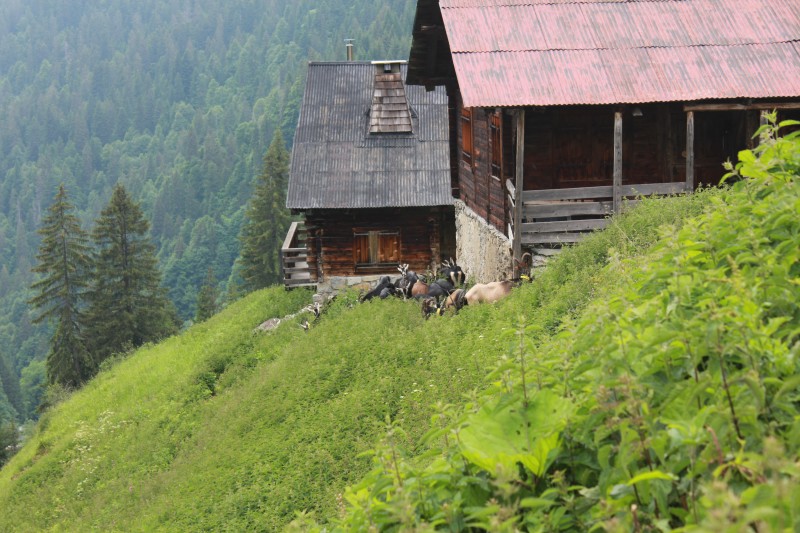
8	441
63	262
9	383
207	297
127	305
267	219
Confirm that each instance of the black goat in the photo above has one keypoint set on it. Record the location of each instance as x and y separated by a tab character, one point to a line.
383	289
453	273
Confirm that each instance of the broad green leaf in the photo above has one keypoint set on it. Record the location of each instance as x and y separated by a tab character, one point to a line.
502	432
648	476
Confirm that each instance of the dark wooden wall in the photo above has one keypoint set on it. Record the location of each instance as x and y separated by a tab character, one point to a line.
574	146
483	193
426	237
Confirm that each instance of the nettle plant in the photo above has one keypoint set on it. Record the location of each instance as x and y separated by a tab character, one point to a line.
669	403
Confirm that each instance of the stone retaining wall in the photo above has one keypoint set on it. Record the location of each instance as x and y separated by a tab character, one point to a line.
483	252
333	285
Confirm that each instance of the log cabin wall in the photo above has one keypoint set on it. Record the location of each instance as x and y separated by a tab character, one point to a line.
425	236
481	184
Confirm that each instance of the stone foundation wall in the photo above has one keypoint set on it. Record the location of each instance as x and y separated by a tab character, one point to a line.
483	252
332	285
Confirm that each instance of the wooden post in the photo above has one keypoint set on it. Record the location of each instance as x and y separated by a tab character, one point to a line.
519	185
690	151
617	184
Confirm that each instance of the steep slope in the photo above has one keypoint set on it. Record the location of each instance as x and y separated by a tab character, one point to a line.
669	403
222	429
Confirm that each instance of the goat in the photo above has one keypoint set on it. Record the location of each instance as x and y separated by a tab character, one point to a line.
430	307
488	292
523	267
383	289
452	272
479	293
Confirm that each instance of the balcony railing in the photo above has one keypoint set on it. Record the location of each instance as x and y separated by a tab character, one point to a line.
556	216
294	258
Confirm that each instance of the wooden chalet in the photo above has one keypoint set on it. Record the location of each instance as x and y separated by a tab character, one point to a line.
561	110
370	174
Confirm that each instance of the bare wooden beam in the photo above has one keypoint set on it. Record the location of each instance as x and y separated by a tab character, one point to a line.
690	151
715	107
741	107
519	185
617	184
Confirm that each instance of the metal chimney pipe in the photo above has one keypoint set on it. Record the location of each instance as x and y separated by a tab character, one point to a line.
349	45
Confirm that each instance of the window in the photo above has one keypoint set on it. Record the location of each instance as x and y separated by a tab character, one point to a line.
466	135
496	136
376	248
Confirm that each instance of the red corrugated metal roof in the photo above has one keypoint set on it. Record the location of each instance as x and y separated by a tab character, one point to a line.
551	52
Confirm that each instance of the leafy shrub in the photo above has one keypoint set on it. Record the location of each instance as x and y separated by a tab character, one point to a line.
669	402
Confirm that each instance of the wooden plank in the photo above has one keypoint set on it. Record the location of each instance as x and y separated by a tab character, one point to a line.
551	238
567	209
287	242
617	181
519	184
648	189
511	189
575	193
742	107
714	107
566	225
690	151
769	106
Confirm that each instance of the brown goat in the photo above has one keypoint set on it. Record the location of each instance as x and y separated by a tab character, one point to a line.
479	293
488	292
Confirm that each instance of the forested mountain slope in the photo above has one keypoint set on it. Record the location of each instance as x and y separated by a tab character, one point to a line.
178	100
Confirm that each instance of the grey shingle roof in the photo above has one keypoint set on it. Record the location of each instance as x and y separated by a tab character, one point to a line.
336	163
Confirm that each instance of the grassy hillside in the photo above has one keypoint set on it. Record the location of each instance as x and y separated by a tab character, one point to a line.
669	403
222	429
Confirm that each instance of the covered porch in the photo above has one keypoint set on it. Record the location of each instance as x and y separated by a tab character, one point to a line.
575	166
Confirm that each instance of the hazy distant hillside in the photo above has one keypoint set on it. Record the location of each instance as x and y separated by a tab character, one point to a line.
177	99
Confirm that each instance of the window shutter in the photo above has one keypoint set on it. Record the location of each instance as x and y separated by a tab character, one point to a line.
389	248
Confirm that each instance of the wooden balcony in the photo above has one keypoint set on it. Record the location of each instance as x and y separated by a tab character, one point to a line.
559	216
294	258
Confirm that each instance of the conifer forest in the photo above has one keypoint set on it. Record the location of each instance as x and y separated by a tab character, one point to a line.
175	101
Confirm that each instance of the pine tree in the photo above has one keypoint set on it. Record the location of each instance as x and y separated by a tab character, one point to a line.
127	305
207	297
63	261
267	219
8	441
9	382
